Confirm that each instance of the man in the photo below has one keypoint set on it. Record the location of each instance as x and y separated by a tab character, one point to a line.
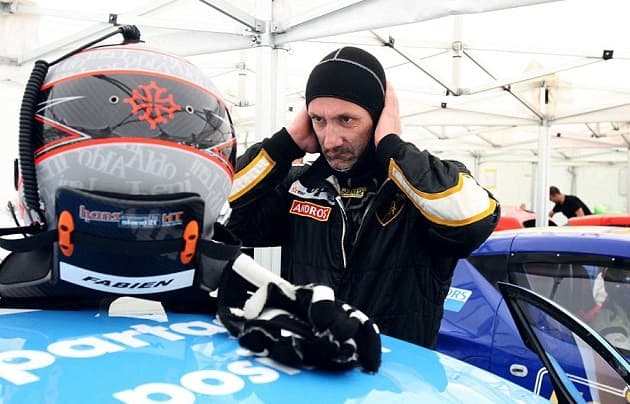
609	314
375	218
569	205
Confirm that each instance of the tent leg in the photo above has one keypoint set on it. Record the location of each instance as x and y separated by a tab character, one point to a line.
544	155
271	73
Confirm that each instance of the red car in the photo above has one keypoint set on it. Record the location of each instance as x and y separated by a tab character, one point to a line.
515	217
608	219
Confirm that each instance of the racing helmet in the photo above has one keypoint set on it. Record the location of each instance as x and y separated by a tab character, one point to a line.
131	119
126	159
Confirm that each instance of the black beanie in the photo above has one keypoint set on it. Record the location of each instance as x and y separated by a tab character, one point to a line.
350	74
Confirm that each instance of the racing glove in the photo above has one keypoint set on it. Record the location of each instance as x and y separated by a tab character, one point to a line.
299	326
599	290
599	296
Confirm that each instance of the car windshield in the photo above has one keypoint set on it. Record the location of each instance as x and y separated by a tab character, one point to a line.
596	292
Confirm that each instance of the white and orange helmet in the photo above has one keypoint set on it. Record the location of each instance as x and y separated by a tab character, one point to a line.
126	160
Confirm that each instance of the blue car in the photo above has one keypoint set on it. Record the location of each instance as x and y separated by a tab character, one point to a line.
585	270
133	352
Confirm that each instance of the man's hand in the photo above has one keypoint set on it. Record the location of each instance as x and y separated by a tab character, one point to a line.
389	122
300	326
301	131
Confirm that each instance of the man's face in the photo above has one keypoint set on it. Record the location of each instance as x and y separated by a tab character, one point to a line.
343	130
556	198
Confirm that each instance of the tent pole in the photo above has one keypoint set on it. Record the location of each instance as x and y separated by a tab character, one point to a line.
477	166
457	48
271	72
544	154
533	169
354	16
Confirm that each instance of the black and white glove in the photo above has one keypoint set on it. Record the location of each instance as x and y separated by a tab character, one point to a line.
300	326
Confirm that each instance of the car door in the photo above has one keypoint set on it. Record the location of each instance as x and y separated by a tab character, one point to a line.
562	342
594	288
467	327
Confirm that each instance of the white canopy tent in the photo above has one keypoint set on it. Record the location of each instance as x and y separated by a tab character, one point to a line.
498	81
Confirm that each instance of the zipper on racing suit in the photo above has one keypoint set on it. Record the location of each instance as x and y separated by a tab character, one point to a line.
332	180
367	211
344	223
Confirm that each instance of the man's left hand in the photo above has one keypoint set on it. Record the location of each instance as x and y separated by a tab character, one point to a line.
389	122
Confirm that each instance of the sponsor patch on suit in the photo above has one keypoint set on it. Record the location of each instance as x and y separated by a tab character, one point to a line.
309	209
357	192
302	191
387	212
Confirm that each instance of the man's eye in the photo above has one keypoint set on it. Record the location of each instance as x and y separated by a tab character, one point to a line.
347	119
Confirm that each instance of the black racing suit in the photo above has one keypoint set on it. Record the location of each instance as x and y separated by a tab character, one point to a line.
386	241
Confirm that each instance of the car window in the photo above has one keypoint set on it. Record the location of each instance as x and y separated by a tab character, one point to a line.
492	267
566	344
596	292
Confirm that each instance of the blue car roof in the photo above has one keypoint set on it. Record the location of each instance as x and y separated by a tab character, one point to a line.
91	356
594	240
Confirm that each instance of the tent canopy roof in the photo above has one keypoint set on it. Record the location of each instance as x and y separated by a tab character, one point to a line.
472	78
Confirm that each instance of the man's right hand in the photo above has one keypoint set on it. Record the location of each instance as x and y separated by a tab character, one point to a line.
301	131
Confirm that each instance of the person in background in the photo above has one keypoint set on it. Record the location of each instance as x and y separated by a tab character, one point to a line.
609	315
377	219
569	205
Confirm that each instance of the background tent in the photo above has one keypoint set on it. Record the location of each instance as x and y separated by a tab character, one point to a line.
526	93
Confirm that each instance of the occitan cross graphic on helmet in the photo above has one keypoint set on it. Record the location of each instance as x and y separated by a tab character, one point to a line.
151	105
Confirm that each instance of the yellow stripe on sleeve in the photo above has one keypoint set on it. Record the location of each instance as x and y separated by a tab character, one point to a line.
254	172
464	203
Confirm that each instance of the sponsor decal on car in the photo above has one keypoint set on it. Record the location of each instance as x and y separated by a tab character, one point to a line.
125	356
456	298
22	367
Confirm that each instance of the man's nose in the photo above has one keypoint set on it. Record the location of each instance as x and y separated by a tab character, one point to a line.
332	137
